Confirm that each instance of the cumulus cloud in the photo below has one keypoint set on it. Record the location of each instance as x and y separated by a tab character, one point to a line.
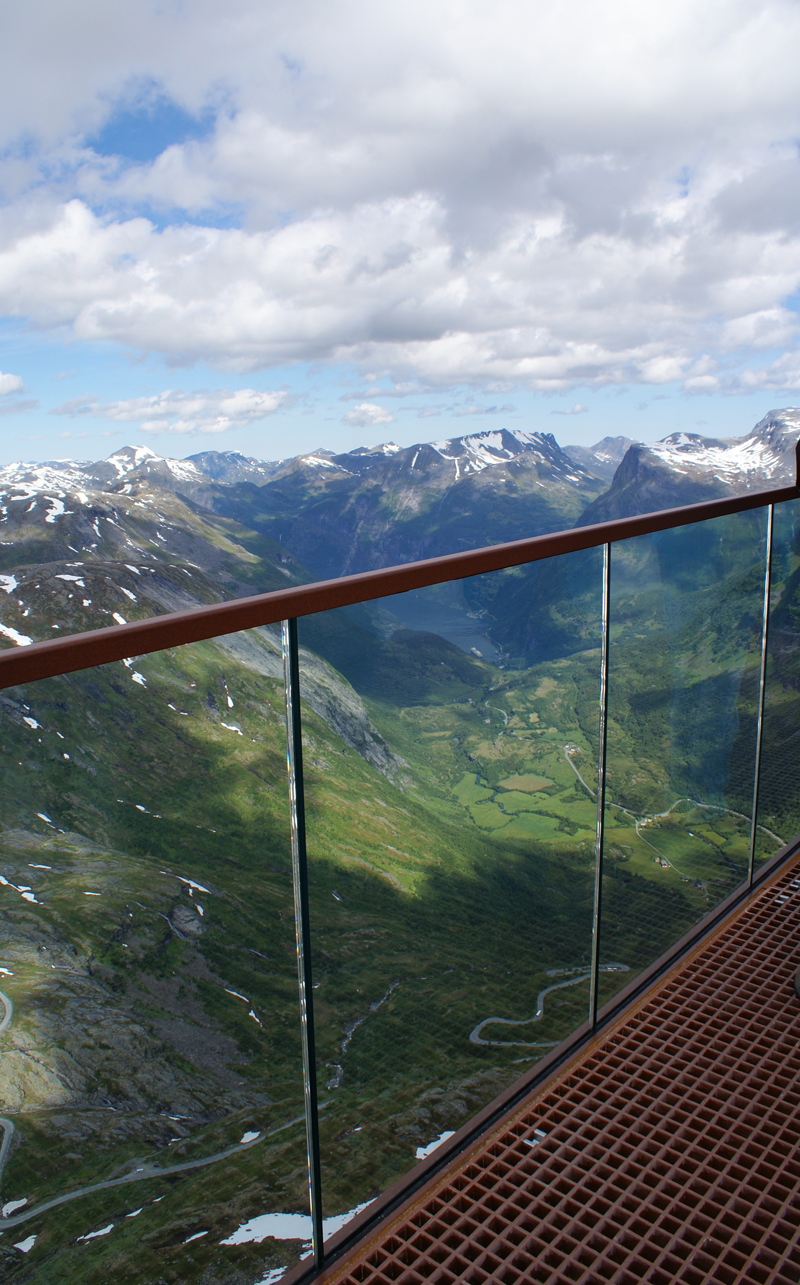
214	411
10	384
368	413
537	306
781	374
10	404
530	195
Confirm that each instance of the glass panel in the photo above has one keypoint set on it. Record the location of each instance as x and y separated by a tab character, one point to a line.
451	769
779	787
152	1061
686	617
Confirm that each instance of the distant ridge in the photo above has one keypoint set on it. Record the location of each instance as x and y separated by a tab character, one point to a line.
604	458
685	468
384	504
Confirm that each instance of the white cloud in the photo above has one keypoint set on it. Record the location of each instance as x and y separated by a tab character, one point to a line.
368	413
10	384
782	374
476	408
537	305
577	409
406	388
214	411
515	194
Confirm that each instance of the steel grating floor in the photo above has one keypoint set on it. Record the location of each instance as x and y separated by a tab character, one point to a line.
668	1152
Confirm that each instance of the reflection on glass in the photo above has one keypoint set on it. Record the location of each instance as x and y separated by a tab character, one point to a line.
686	618
779	791
451	768
152	1059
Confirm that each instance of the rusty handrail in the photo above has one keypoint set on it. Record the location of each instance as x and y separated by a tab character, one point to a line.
141	637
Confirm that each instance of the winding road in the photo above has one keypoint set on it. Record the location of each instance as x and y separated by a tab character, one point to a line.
498	710
137	1175
658	816
145	1172
475	1033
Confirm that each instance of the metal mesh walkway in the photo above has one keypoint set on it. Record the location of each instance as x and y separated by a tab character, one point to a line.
669	1152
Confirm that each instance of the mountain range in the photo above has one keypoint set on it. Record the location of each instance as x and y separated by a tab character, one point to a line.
139	533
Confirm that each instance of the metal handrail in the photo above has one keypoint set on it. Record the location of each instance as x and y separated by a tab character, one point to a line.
198	624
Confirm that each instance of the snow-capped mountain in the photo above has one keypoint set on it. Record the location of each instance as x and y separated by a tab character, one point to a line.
143	462
231	466
453	459
385	504
765	455
86	543
686	468
479	451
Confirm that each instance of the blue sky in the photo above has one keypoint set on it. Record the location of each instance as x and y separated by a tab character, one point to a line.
62	379
273	229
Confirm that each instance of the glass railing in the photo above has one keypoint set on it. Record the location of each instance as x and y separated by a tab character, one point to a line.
686	623
778	800
451	861
510	793
152	1067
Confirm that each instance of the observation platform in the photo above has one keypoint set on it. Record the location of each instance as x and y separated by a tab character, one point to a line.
667	1150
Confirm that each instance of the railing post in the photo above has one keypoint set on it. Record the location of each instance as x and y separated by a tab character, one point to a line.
294	763
601	788
761	690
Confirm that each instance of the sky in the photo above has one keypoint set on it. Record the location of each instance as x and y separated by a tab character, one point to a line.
270	228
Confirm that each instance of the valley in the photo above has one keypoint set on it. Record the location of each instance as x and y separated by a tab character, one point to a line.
150	1059
149	1035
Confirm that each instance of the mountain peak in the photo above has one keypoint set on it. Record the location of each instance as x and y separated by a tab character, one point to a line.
496	446
604	458
687	468
385	448
129	457
779	430
765	457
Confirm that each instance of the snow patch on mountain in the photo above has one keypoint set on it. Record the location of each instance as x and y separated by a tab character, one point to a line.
478	451
316	461
58	476
21	640
130	457
764	457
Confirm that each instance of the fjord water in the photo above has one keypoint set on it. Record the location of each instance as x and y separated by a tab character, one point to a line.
148	951
451	868
686	608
